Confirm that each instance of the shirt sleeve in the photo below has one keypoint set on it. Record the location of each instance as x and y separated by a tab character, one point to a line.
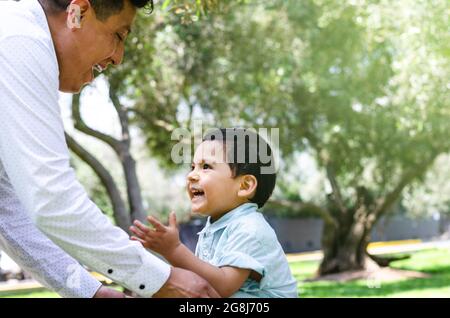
36	159
243	250
35	253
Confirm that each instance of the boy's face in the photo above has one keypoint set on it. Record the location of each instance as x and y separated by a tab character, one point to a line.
210	184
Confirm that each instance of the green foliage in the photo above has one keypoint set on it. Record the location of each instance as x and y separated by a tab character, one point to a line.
432	195
361	85
189	11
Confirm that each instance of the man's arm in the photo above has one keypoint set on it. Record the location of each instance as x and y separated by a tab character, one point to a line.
36	254
35	156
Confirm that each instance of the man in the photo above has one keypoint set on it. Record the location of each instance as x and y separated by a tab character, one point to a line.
46	46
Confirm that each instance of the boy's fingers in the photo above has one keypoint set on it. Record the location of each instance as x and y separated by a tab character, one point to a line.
173	219
134	238
141	226
144	242
158	226
137	232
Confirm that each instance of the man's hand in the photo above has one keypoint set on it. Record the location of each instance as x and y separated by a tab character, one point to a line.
185	284
105	292
162	239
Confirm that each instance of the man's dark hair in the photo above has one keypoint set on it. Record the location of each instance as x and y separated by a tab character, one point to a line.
103	8
248	153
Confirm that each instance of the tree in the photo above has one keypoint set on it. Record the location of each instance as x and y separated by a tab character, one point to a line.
361	86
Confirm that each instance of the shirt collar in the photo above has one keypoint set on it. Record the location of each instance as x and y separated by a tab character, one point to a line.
41	20
38	12
228	217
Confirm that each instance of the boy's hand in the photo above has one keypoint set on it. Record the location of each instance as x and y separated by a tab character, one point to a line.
162	239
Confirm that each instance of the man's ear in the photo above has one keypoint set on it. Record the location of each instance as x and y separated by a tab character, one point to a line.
76	11
248	186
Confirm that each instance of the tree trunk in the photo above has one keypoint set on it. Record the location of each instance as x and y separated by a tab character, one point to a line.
345	241
345	244
137	211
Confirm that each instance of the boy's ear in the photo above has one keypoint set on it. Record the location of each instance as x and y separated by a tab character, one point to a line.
248	186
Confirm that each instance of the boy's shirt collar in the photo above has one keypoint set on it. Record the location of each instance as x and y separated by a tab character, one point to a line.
226	219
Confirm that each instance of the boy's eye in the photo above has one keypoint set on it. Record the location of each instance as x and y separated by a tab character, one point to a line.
192	167
206	166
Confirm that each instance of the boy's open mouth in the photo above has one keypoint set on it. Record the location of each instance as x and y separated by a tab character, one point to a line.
197	193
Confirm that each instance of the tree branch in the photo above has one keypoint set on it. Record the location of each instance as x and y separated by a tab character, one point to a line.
123	117
158	122
121	215
81	126
128	163
385	203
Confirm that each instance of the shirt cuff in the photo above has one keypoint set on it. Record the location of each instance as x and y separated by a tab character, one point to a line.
83	286
149	279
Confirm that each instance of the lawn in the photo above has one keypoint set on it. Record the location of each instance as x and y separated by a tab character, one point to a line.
39	294
435	262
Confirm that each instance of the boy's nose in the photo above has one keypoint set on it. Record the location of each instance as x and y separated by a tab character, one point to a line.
193	176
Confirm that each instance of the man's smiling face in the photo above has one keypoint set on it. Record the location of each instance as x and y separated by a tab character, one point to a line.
93	46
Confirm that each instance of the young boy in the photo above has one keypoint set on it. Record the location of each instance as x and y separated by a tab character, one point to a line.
237	252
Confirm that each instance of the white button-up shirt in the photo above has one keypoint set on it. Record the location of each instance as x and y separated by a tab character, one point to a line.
37	183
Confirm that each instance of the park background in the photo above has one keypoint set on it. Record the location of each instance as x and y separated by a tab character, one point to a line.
359	92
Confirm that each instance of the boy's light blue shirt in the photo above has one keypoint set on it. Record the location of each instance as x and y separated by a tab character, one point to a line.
243	238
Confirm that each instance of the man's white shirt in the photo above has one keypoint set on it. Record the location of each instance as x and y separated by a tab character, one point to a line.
37	183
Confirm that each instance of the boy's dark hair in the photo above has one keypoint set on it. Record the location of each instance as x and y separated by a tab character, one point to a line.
103	8
248	153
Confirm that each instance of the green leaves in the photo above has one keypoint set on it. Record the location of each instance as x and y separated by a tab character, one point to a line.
365	82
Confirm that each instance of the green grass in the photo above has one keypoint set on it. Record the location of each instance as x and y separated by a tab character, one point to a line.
37	294
435	262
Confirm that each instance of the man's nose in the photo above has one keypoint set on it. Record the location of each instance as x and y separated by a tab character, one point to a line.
117	56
